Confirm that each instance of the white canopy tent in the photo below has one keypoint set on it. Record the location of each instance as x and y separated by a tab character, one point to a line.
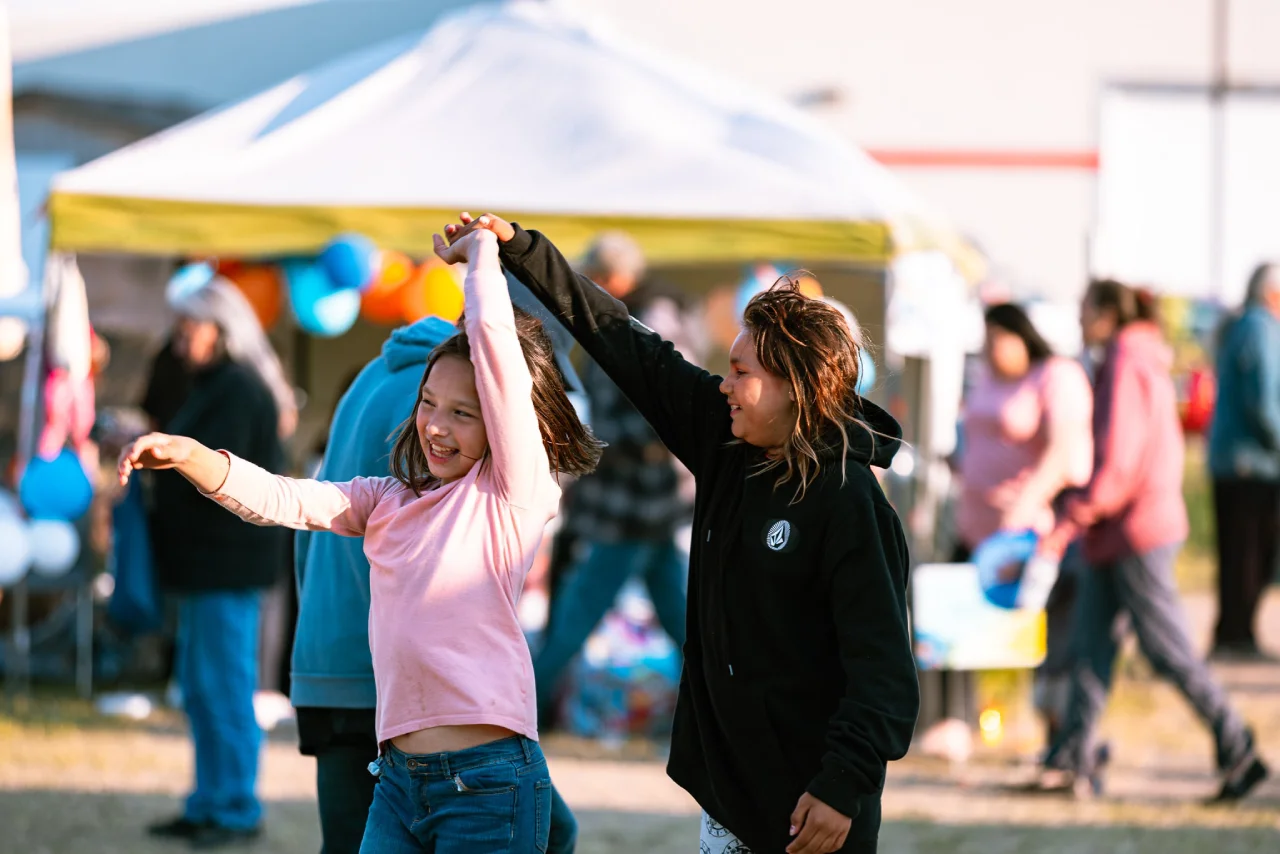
523	108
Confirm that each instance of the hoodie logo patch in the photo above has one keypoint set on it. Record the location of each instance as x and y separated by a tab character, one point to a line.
778	536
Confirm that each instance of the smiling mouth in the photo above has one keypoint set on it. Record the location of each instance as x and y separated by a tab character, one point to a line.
734	409
441	453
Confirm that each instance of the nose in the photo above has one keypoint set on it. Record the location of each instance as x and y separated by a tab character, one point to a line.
725	386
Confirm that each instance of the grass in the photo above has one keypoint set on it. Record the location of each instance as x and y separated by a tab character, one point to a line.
1197	568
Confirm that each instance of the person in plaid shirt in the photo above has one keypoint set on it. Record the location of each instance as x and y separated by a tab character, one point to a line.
624	517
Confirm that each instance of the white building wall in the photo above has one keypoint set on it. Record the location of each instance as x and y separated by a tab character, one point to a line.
959	81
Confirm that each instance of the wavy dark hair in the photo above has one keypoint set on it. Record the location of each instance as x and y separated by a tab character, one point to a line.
571	447
1013	319
1130	304
809	344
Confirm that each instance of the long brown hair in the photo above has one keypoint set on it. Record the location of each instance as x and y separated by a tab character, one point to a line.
1130	304
808	343
570	445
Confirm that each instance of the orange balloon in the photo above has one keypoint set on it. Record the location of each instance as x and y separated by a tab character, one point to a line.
809	286
227	266
384	303
721	314
261	286
434	290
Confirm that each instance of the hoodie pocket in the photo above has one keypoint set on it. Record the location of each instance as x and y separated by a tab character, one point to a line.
799	729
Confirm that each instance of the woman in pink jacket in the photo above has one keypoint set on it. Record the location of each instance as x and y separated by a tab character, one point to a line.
1133	520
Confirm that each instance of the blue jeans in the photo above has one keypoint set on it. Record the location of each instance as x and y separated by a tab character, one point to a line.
217	665
590	591
483	800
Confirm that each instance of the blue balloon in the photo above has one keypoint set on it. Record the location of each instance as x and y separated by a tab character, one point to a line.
55	489
351	261
997	552
866	372
320	308
190	278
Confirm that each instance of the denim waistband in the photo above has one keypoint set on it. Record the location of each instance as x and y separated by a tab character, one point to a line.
516	748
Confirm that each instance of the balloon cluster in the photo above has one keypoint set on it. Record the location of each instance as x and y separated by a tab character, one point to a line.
52	494
350	278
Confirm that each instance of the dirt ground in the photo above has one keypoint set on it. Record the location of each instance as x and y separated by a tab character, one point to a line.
74	783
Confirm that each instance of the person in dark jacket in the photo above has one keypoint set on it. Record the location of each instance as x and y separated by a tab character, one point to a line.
216	564
799	684
1244	459
626	513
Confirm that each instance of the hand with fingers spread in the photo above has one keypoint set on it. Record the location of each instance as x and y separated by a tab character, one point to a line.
206	468
817	828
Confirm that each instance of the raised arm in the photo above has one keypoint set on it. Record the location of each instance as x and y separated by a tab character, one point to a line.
255	494
680	400
503	383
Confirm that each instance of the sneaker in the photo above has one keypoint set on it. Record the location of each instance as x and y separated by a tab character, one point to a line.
177	828
1241	779
217	836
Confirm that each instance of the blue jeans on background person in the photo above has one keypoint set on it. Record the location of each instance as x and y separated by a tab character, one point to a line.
217	667
482	800
591	589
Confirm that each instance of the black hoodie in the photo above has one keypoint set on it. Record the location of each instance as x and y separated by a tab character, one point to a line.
799	674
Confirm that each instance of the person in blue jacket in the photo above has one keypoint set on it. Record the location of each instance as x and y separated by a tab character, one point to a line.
332	687
1244	459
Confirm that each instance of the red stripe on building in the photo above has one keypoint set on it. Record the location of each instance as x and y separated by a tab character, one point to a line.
985	159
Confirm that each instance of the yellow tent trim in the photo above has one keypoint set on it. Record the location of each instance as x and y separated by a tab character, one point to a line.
93	223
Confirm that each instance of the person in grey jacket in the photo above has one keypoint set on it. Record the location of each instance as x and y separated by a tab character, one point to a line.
1244	460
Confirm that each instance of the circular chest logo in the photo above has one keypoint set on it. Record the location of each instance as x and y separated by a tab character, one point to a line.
779	535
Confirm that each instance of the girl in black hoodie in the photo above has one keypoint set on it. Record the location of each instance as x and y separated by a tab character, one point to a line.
799	683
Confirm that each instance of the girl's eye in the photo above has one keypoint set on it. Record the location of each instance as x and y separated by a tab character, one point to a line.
461	414
425	402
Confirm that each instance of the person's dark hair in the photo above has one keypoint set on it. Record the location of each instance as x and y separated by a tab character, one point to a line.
1260	281
808	343
1013	319
570	445
1129	304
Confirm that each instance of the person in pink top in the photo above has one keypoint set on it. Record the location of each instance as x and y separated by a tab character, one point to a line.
450	538
1026	433
1134	521
1026	437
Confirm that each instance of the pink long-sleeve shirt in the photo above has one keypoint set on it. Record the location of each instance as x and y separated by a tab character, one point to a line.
446	567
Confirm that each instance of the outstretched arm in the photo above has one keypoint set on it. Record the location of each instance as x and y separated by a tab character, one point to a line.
255	494
680	400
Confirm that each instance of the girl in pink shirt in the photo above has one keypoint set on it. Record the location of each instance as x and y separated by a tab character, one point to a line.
450	538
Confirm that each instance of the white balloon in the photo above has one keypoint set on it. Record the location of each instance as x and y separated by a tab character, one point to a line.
13	334
15	549
55	545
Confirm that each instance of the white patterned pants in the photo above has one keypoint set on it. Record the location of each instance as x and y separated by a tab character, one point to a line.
716	839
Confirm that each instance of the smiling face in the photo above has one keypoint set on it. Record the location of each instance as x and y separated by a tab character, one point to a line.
760	405
449	422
